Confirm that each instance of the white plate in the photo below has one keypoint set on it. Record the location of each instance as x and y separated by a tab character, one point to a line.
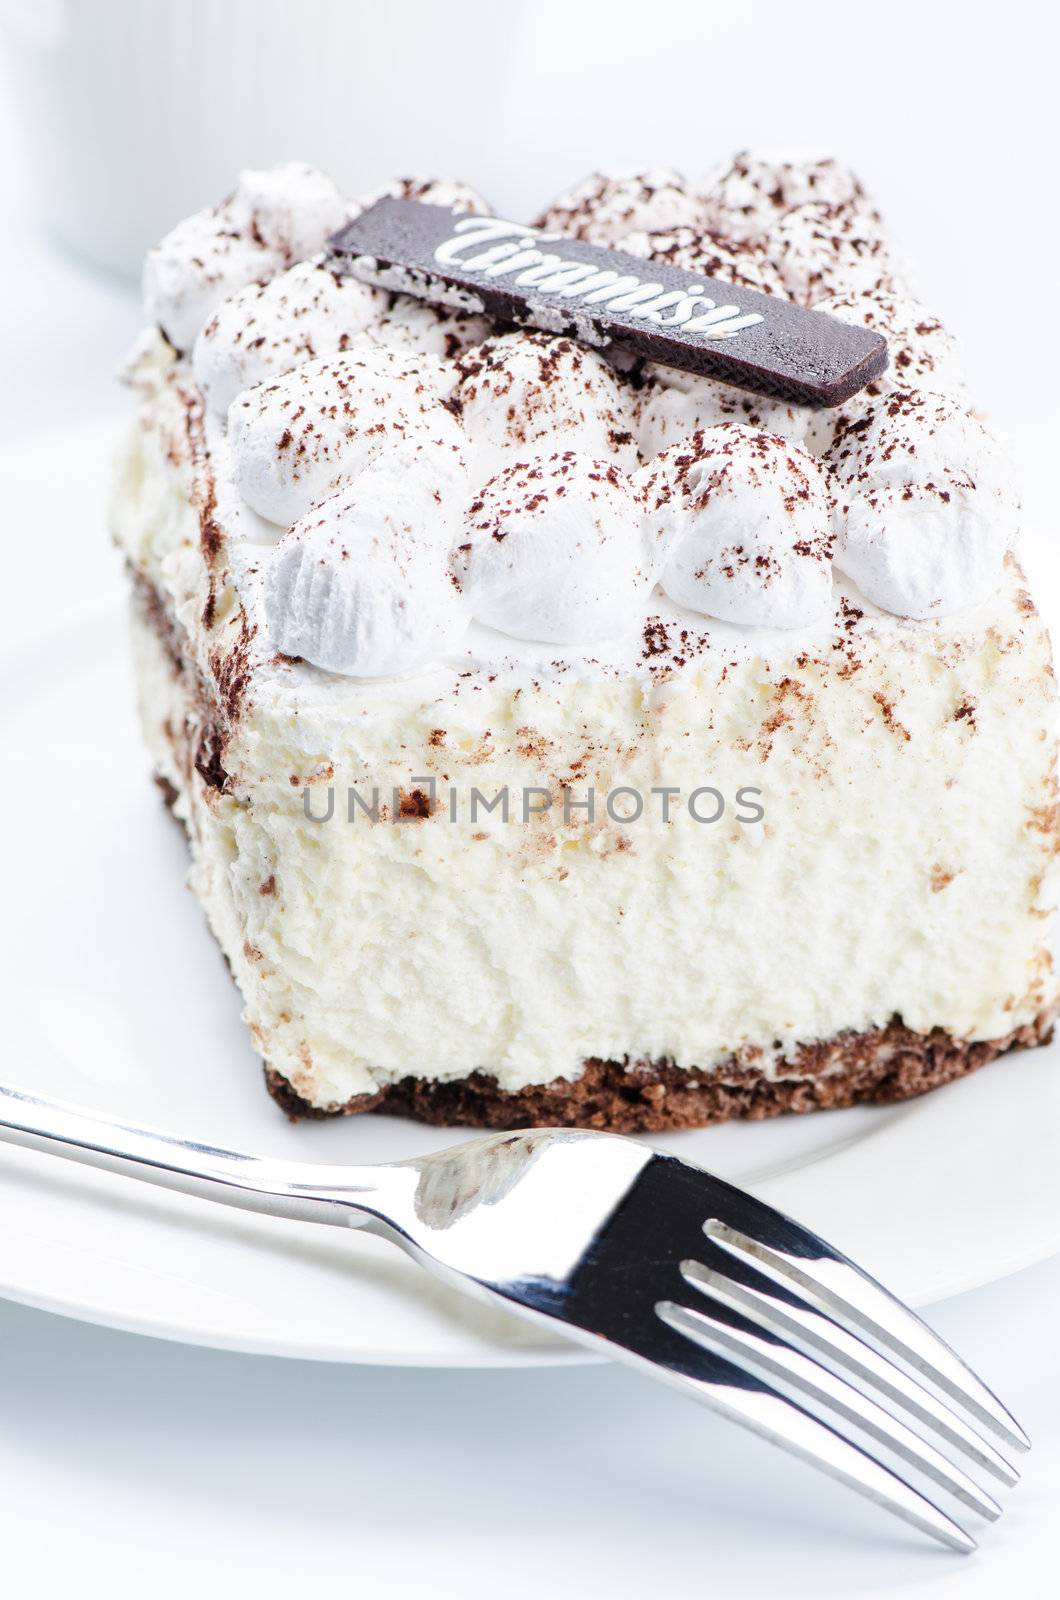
118	998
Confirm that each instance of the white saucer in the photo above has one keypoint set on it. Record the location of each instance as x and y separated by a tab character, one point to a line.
119	999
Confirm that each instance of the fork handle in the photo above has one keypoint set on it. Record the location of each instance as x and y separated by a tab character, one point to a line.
253	1183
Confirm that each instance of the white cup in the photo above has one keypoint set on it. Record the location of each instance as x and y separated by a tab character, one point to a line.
138	112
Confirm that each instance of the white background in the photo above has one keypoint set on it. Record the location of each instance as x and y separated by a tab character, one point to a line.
132	1467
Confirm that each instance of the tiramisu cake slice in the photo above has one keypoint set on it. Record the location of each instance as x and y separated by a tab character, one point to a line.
564	731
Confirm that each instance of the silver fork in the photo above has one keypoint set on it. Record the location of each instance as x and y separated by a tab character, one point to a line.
646	1259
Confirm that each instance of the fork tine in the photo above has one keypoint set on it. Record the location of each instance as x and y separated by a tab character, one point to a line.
751	1401
766	1353
800	1323
863	1305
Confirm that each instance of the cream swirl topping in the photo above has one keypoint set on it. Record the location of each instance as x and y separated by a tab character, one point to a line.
605	206
429	470
740	522
746	198
359	585
520	389
266	329
555	549
925	506
270	220
297	440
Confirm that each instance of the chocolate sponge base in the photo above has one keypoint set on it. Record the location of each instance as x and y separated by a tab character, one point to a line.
879	1066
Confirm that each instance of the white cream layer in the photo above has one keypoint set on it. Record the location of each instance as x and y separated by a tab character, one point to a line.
904	864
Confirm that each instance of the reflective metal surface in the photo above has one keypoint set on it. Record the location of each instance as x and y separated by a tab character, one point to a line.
649	1260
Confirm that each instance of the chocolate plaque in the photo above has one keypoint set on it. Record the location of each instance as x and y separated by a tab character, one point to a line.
605	298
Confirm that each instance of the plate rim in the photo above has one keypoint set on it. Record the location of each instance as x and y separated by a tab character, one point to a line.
561	1353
